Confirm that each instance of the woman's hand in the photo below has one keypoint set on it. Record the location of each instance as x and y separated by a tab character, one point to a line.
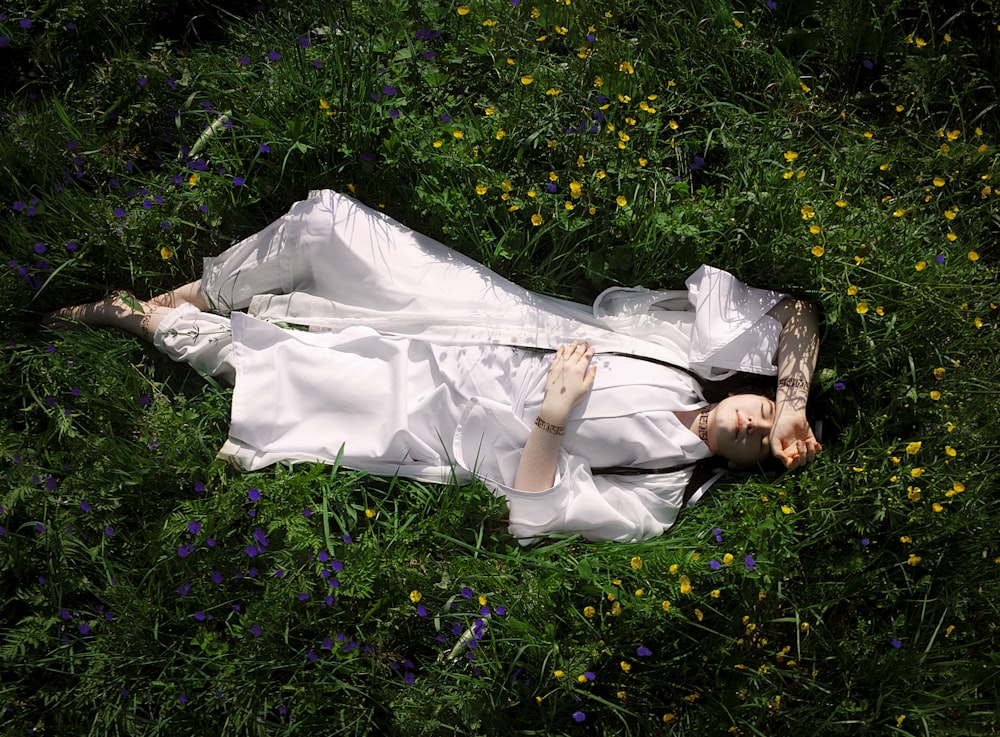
792	440
569	380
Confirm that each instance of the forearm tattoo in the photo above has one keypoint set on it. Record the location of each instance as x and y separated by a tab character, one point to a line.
554	429
793	382
144	325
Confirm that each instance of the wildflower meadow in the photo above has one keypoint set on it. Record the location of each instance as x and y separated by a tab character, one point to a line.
844	152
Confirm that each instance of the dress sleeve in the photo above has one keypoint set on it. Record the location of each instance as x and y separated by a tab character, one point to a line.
732	330
623	508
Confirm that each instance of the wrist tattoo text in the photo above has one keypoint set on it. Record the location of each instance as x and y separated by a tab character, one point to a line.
793	382
554	429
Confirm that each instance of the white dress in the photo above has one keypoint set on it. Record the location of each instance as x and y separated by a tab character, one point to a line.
422	363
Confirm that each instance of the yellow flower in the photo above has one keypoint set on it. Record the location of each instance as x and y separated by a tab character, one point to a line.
917	472
575	189
415	596
818	251
958	487
673	569
977	323
626	666
920	43
808	211
948	630
666	605
463	10
600	174
369	513
862	308
552	91
531	193
527	79
852	290
973	256
193	180
949	451
905	539
884	166
166	252
640	592
620	199
913	493
323	104
914	447
938	182
736	22
458	135
947	40
642	161
939	372
790	156
785	509
914	560
805	88
481	189
935	395
698	613
626	66
598	81
588	611
620	695
569	205
438	144
899	213
953	135
636	563
728	559
685	585
667	718
814	229
500	134
920	265
558	673
841	203
489	23
951	213
937	507
536	219
715	593
868	135
788	174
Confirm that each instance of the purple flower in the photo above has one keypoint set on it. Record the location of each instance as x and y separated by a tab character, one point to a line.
199	487
714	564
85	506
273	55
501	610
4	42
839	384
183	698
939	258
194	527
216	577
865	542
244	60
421	610
697	163
72	246
25	23
172	84
109	531
255	630
466	592
312	656
579	716
867	63
120	213
771	5
388	90
642	651
184	550
239	181
84	629
717	533
304	41
589	675
750	563
394	113
253	495
896	643
142	81
200	616
264	148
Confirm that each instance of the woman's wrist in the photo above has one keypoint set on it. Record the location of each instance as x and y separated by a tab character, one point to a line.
550	428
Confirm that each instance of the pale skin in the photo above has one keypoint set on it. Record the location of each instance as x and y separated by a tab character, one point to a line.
744	428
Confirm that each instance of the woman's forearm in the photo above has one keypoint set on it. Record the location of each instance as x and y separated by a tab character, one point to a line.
537	469
798	349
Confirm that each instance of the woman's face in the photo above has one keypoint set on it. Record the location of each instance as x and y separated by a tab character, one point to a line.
739	428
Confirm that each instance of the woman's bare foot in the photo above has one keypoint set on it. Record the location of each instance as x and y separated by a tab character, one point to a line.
118	309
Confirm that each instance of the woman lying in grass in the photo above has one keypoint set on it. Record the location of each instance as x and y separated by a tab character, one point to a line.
416	361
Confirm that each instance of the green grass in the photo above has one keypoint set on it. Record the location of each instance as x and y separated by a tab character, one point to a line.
872	601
